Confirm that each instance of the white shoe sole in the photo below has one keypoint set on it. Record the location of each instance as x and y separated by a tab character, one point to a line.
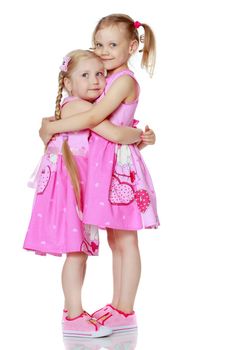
101	333
124	329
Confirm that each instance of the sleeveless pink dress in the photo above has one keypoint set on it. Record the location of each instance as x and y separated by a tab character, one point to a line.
55	226
119	191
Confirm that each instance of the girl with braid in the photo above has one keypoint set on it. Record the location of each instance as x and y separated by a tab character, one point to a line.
56	222
120	196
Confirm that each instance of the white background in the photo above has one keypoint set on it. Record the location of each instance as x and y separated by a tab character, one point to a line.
185	296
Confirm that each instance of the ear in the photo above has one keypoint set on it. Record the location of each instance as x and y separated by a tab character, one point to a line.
133	47
67	84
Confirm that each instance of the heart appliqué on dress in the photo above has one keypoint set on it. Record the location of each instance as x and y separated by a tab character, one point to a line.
44	179
142	199
120	192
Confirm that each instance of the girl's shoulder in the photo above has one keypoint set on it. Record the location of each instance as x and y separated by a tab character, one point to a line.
74	106
124	77
124	80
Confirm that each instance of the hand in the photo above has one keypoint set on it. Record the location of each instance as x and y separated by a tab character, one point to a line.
148	137
43	132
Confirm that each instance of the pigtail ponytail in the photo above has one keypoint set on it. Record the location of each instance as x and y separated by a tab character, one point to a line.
148	51
68	157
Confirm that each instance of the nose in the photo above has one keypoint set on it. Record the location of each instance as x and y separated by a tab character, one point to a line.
104	51
94	79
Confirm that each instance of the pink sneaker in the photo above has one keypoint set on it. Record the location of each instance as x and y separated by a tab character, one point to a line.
84	326
118	321
64	314
97	314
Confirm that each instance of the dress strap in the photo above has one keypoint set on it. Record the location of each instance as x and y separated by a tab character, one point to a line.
117	75
67	100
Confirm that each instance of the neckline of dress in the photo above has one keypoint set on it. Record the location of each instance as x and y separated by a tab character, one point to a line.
121	71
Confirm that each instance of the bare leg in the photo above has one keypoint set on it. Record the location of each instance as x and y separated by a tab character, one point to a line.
72	280
127	243
116	266
84	273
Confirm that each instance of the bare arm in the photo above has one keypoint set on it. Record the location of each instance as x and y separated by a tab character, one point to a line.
118	134
117	93
111	132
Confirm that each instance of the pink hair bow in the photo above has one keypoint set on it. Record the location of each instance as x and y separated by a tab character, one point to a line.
65	63
137	24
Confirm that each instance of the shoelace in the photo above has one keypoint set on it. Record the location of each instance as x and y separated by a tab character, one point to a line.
94	322
105	317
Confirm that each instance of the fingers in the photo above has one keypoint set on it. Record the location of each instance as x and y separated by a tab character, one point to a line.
149	133
48	119
148	139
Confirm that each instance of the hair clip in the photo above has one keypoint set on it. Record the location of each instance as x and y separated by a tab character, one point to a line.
65	63
137	24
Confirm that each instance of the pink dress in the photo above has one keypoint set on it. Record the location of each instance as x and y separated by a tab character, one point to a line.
119	191
55	226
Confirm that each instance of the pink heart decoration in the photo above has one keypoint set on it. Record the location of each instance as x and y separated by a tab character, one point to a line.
120	192
94	246
88	248
142	199
44	179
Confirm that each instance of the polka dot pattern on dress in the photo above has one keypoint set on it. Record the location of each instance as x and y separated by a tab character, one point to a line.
44	179
142	199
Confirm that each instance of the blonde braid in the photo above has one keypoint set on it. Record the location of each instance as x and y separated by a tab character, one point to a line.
73	171
69	160
59	96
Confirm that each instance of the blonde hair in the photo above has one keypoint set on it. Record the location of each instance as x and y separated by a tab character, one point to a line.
149	48
70	163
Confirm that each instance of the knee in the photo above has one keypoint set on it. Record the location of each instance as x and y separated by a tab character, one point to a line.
77	258
112	242
127	242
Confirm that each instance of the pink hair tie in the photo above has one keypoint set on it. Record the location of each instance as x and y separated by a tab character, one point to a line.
137	24
65	63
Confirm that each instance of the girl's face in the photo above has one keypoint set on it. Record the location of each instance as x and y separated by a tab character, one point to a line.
87	80
114	47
